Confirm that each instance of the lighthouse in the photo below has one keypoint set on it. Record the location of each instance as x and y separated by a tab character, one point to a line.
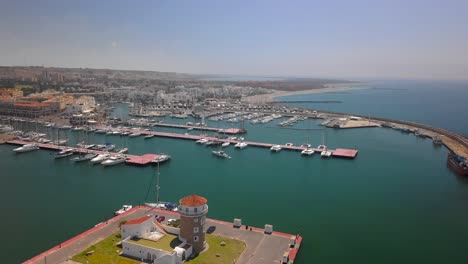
193	209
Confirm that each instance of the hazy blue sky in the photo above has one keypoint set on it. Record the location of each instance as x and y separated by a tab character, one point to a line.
352	39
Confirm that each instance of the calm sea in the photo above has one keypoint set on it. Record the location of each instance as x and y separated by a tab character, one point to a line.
397	202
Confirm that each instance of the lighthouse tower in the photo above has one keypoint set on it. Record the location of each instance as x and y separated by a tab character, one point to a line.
193	209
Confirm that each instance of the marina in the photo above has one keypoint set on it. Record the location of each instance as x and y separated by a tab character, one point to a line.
142	160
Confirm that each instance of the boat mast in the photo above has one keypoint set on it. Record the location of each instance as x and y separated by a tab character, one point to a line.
157	185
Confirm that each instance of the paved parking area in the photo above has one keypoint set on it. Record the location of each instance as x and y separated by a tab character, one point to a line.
260	248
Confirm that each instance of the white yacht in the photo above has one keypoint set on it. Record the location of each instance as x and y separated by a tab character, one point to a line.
221	154
82	157
325	153
162	158
100	158
26	148
114	160
276	148
202	141
307	151
241	145
64	153
122	151
134	135
225	144
322	147
122	210
149	136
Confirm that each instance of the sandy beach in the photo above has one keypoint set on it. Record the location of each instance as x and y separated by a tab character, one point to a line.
265	98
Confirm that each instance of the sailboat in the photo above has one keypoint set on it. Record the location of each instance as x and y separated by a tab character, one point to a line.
158	204
325	153
84	156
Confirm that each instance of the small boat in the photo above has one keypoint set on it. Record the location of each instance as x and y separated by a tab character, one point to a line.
437	141
65	127
89	146
289	144
276	148
325	153
26	148
202	141
149	136
82	157
162	158
241	145
60	142
100	158
109	132
307	151
63	153
114	160
134	135
125	133
306	146
122	210
225	144
78	129
108	147
122	151
221	154
100	131
322	147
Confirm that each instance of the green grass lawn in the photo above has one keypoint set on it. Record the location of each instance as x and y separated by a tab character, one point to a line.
167	243
228	253
106	251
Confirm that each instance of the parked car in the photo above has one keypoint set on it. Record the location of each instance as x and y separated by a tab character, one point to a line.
160	218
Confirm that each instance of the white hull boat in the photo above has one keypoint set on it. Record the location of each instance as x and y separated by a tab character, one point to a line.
26	148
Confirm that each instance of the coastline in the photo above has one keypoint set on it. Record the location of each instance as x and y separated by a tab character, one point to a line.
266	98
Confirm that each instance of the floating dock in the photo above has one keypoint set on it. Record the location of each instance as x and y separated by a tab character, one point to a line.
231	131
339	153
131	159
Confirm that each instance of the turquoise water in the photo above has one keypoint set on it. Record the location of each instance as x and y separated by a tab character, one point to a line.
397	202
438	103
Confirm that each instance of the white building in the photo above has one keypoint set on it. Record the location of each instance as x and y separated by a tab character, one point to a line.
140	237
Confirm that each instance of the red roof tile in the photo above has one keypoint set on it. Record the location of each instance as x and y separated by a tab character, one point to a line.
193	200
138	221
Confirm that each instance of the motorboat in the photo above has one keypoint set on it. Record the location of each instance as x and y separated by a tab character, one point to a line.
322	147
108	147
114	160
82	157
307	151
60	142
101	131
276	148
122	210
26	148
64	153
116	132
241	145
306	146
134	135
149	136
220	153
437	141
122	151
125	133
100	158
162	158
325	153
202	141
225	144
78	129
